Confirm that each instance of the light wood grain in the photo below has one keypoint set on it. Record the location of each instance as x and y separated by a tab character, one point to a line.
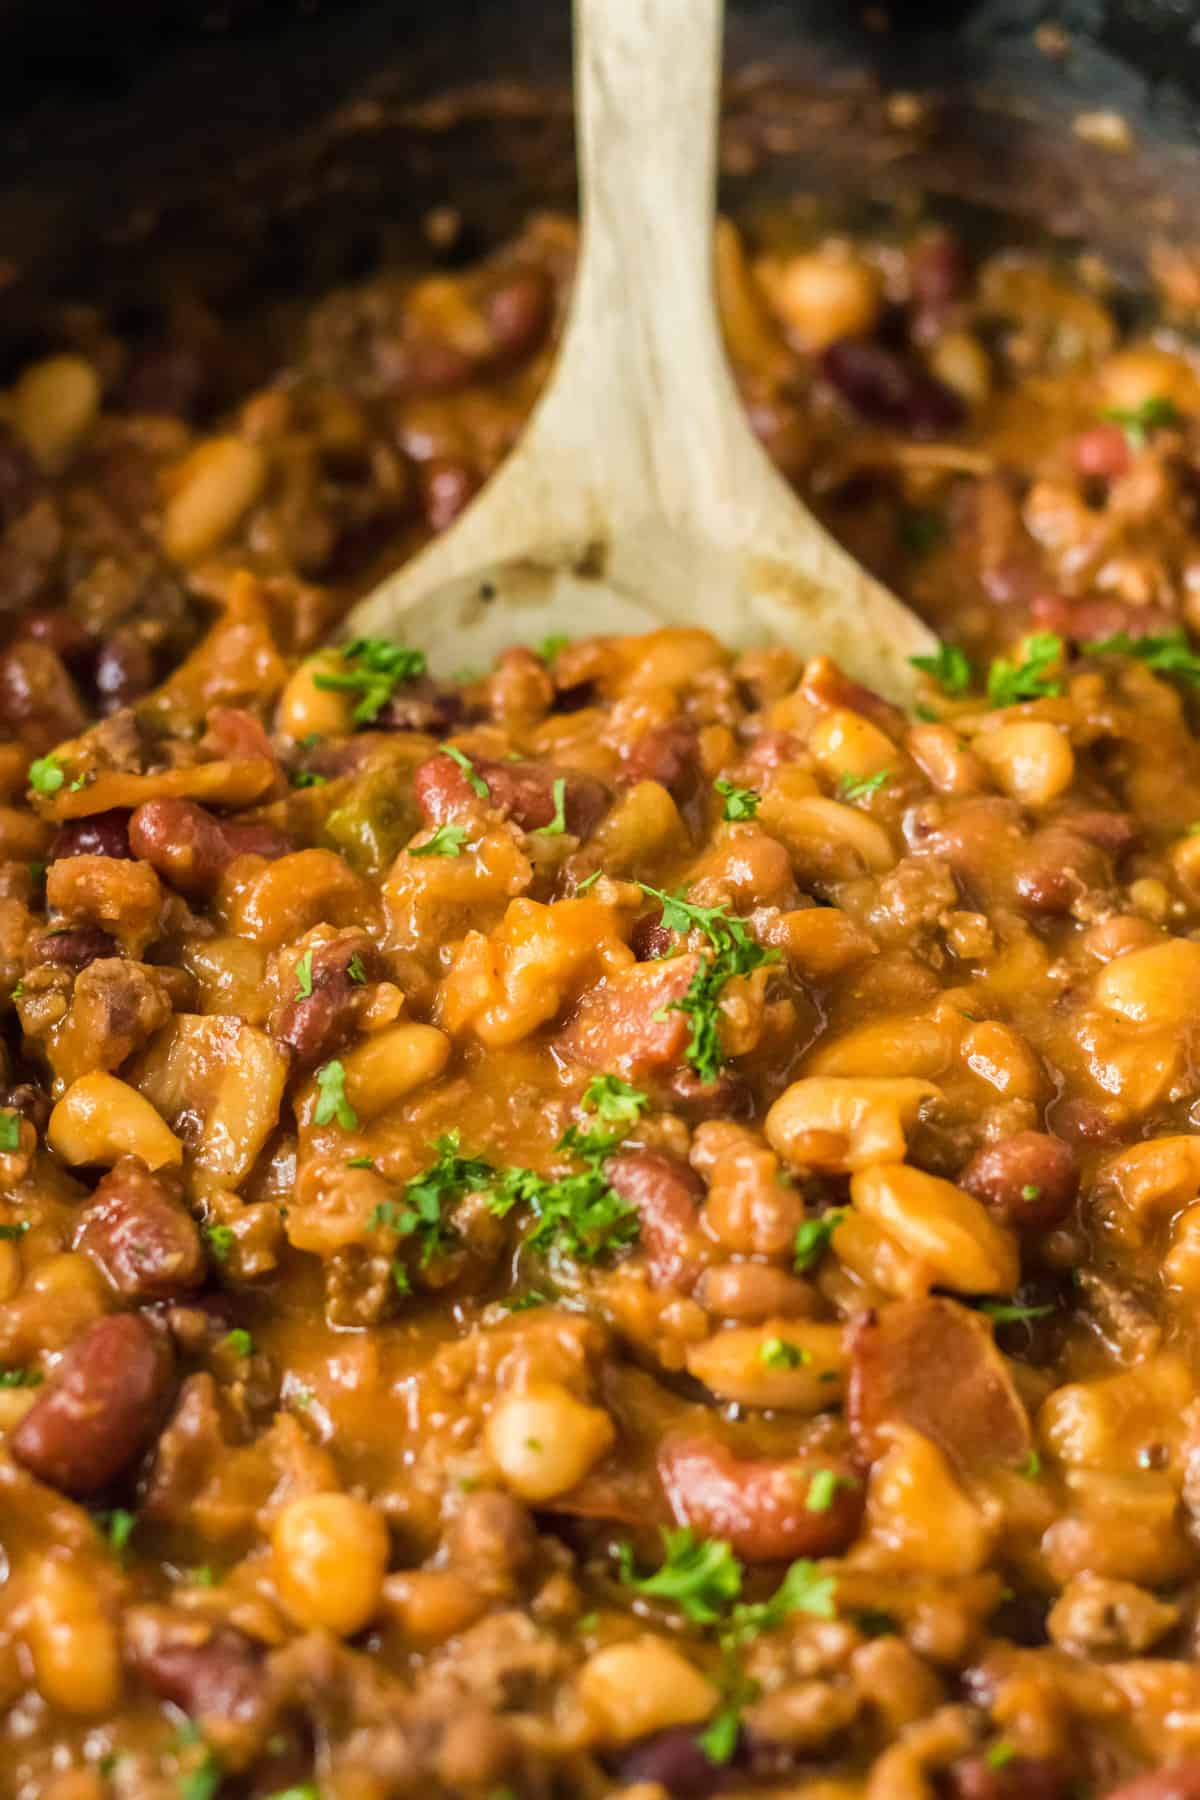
638	494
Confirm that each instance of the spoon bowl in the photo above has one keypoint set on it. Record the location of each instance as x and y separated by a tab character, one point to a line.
638	495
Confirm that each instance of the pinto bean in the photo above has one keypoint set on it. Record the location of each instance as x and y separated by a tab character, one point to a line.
73	948
667	1195
1174	1781
1112	832
759	1505
628	1025
191	849
101	1409
1024	1778
886	390
1057	868
523	790
140	1235
313	1025
97	834
208	1670
1029	1180
898	1362
668	754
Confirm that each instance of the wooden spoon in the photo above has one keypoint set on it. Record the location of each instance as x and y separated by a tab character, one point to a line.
638	496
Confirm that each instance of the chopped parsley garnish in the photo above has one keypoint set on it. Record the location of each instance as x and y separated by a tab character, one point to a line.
203	1780
550	647
740	803
356	970
1031	1468
1031	1191
117	1527
420	1214
614	1101
803	1589
822	1489
374	669
999	1754
732	952
1168	654
719	1738
526	1302
854	787
332	1102
949	666
447	840
11	1234
401	1279
702	1575
239	1342
920	530
46	775
474	778
590	881
307	1790
812	1238
220	1240
15	993
778	1353
304	982
21	1378
10	1129
1030	679
558	823
307	778
579	1216
1007	1312
360	1162
204	1576
1137	422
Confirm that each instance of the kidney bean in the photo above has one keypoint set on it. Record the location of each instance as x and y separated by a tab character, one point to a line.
758	1504
207	1670
886	390
672	1760
141	1236
898	1362
124	670
518	313
20	480
1024	1778
668	754
667	1195
447	487
191	849
313	1025
629	1025
167	379
1084	621
523	790
99	834
101	1409
1029	1181
1174	1781
74	948
1103	451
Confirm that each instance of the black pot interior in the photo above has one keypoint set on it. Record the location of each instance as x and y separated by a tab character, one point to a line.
285	147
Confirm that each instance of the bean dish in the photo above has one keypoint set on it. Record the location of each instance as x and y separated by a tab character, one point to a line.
623	1223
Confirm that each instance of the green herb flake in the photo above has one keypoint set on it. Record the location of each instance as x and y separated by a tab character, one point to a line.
614	1101
419	1215
373	668
12	1234
719	1739
307	778
701	1575
578	1217
332	1102
526	1302
204	1576
46	775
239	1342
804	1589
1170	653
822	1489
558	823
1008	1312
589	882
10	1129
15	993
813	1238
360	1162
220	1240
21	1378
740	803
401	1279
1032	678
1031	1467
999	1754
474	779
447	840
949	666
853	787
304	979
778	1353
202	1780
1137	422
356	970
1031	1191
731	952
550	648
307	1790
587	1622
